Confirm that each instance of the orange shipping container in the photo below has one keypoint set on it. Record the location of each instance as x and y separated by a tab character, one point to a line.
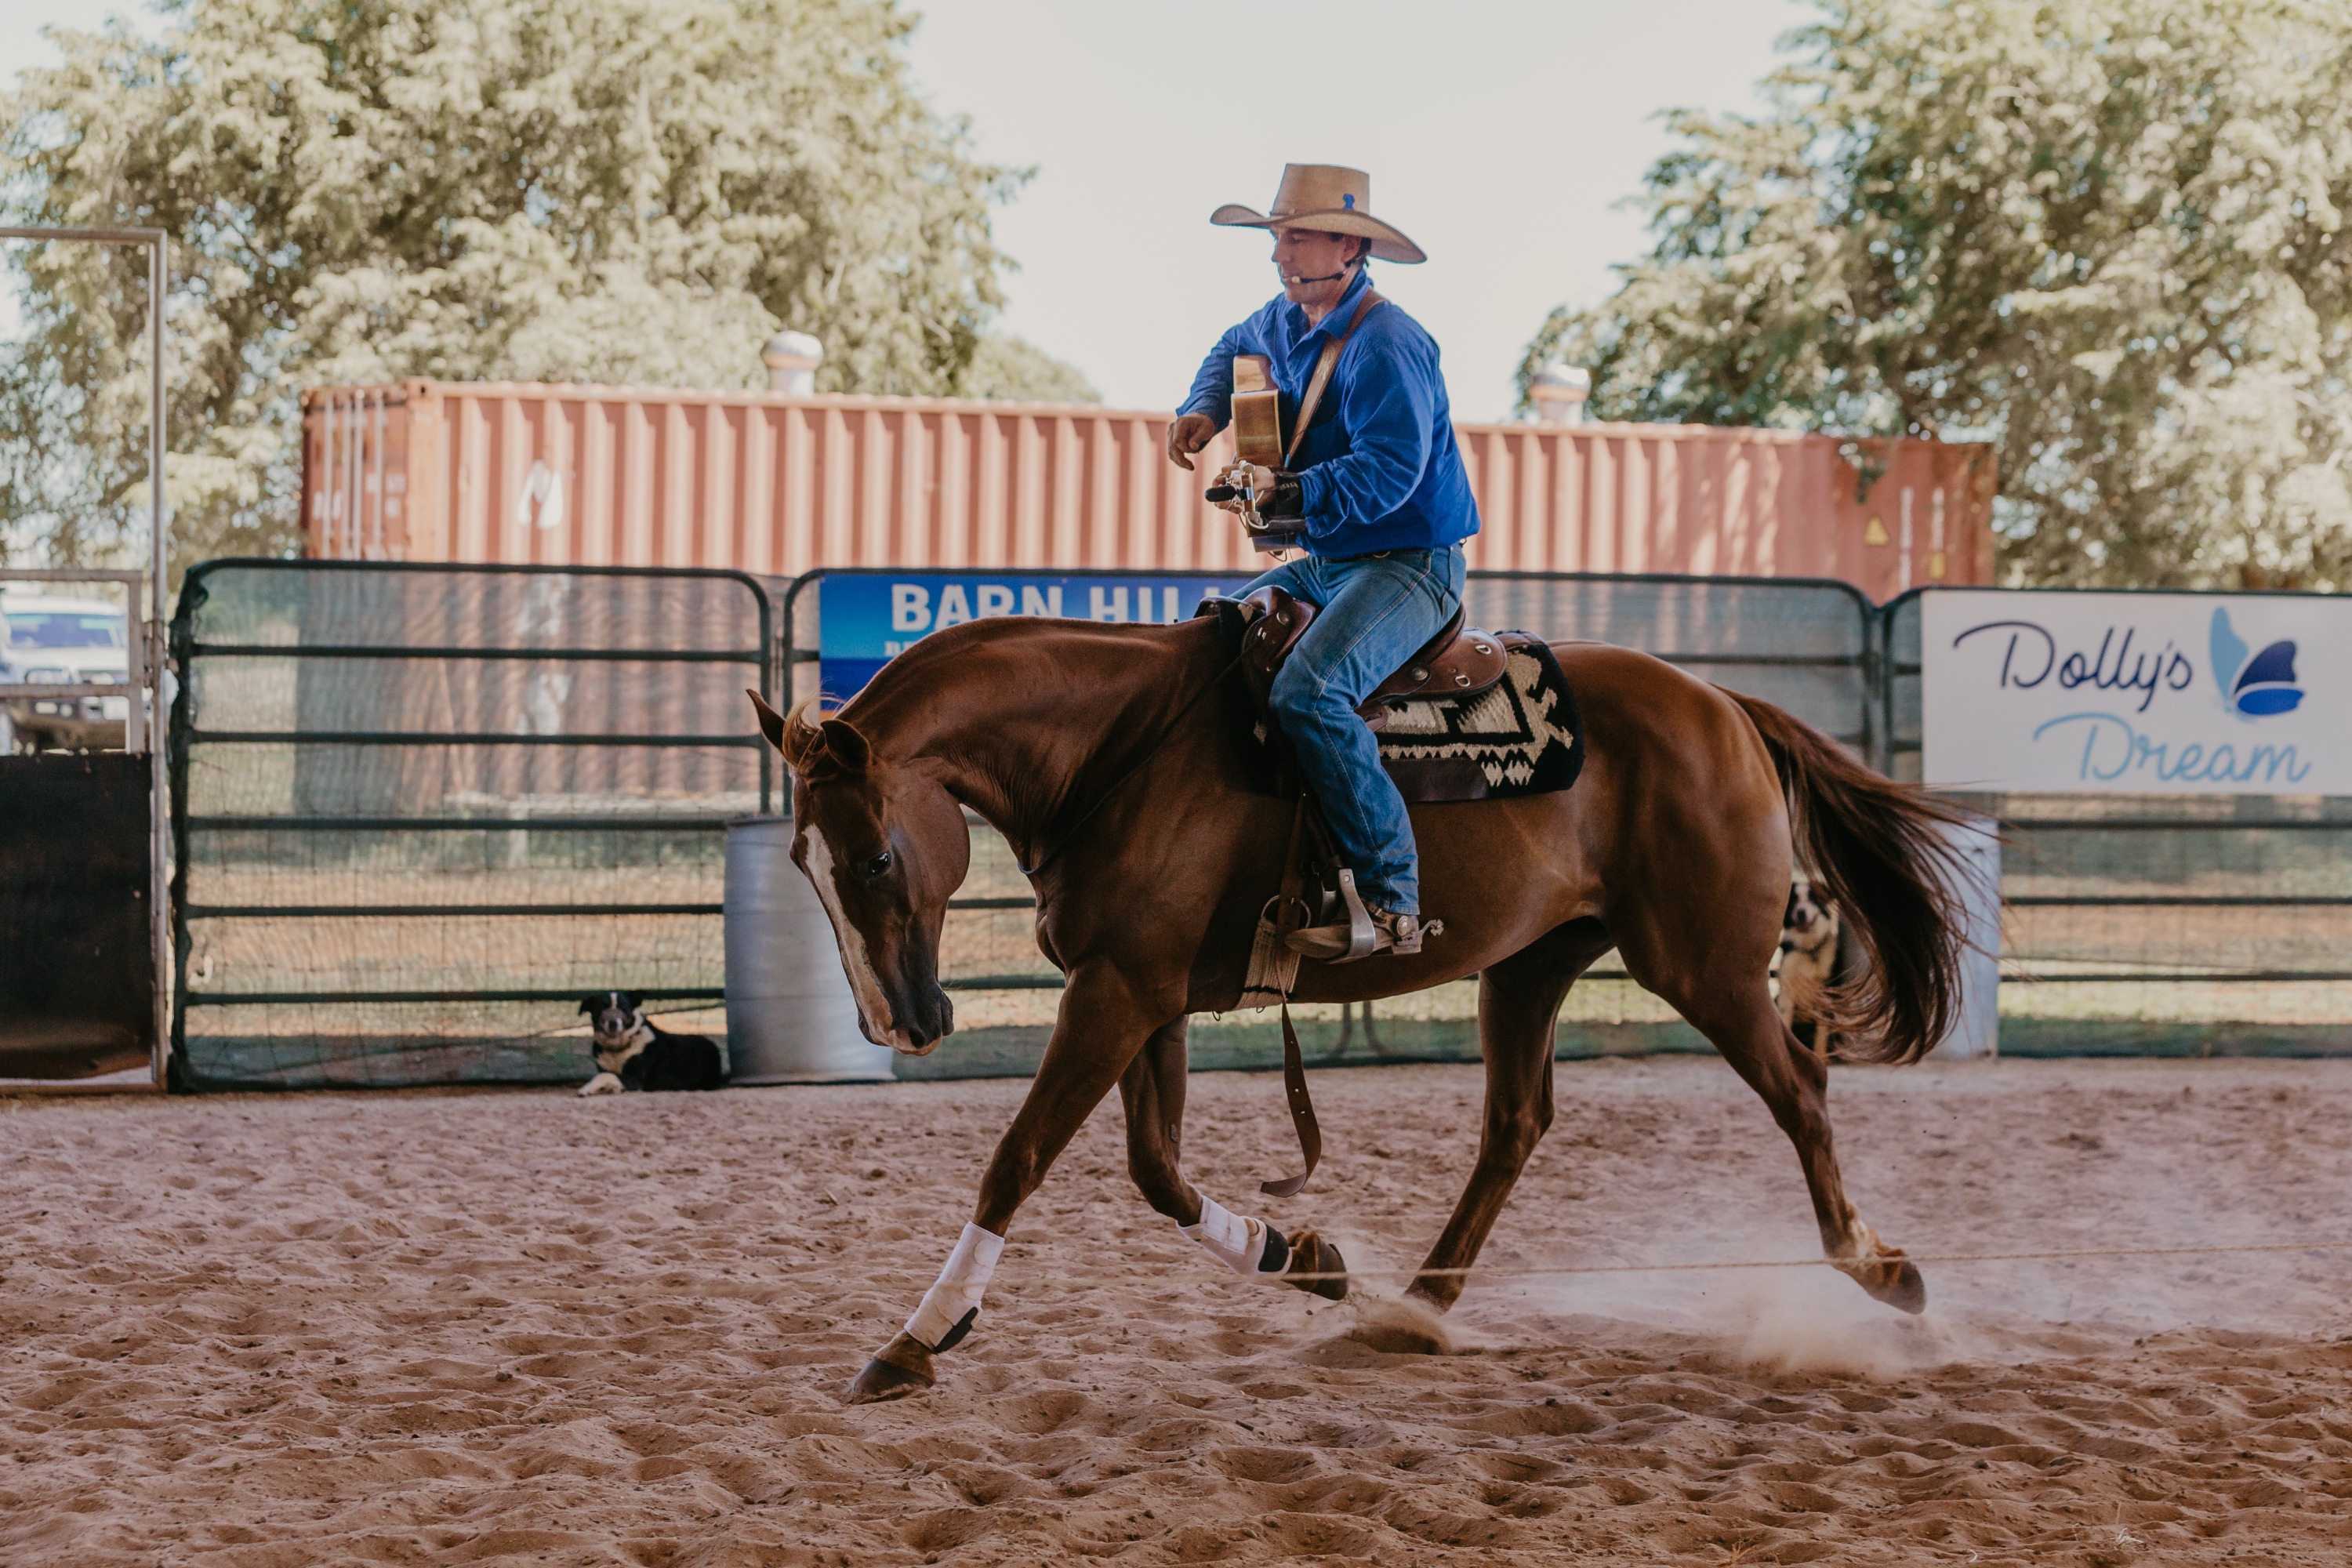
774	484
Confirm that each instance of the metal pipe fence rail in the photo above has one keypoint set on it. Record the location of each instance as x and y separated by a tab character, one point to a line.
1808	644
420	811
422	808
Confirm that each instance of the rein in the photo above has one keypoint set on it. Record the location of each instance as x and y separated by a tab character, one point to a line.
1141	762
1294	1066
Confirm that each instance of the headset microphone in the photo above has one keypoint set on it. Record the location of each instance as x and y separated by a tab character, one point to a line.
1328	277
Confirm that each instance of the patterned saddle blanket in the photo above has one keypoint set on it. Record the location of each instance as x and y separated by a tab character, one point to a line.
1522	735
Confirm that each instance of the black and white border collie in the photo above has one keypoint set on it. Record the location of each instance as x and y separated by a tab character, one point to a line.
632	1054
1809	966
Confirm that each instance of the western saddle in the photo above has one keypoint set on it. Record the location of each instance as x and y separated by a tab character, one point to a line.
1459	662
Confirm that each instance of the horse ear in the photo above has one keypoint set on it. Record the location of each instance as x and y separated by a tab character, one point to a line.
771	723
800	741
846	746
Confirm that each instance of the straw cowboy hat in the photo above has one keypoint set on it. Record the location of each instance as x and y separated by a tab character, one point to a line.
1326	197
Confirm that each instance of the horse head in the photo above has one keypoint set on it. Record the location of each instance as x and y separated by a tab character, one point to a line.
885	845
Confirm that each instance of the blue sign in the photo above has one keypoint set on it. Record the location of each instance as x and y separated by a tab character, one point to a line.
866	620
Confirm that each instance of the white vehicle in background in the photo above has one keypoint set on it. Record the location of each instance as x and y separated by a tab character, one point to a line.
49	640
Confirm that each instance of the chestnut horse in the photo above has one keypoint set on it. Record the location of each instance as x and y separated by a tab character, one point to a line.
1089	748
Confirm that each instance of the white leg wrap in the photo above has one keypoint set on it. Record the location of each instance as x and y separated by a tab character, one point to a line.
968	1270
1231	1240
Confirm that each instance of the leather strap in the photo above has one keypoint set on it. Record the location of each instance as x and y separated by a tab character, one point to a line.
1290	898
1290	910
1322	376
1302	1112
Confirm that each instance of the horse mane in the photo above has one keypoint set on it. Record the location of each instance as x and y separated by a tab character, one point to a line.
965	641
916	673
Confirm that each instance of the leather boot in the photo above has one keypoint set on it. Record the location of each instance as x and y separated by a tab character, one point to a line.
1392	931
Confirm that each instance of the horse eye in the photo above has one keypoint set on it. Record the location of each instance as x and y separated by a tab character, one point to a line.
879	864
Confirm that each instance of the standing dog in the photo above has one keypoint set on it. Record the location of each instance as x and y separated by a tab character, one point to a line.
632	1054
1809	950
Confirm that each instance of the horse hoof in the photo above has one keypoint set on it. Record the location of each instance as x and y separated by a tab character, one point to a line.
898	1369
1310	1253
1893	1279
1908	1292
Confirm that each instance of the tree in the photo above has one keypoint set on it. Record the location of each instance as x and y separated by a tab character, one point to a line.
636	191
1017	369
2107	235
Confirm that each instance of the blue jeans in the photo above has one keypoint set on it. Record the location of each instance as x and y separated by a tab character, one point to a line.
1377	611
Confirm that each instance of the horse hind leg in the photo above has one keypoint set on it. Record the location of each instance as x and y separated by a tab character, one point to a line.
1793	1082
1151	1090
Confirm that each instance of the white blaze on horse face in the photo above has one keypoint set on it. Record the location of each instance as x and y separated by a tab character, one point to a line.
864	984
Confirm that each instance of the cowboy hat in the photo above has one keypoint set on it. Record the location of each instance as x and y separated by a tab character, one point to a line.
1326	197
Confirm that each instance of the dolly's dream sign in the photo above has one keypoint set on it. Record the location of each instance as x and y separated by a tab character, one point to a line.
866	620
2137	693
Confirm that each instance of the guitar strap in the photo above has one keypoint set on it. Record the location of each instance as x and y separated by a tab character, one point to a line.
1321	379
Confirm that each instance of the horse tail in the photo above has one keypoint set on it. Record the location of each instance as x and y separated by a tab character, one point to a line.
1878	848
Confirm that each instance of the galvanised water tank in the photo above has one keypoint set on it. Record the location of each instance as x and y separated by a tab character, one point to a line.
790	1016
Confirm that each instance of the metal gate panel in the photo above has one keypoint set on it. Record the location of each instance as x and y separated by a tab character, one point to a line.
423	810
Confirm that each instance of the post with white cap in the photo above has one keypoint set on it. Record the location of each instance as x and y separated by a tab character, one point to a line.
1559	392
791	359
1976	893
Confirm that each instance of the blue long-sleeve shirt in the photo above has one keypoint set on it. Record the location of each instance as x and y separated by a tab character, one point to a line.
1378	468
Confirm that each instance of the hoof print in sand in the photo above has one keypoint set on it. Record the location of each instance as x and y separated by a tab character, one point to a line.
1401	1328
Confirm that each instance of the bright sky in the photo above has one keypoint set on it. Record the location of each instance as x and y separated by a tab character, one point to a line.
1500	134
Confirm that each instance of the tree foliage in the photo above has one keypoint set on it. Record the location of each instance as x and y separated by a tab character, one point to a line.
1014	368
2107	235
631	191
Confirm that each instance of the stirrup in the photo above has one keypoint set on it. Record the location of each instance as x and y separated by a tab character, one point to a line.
1357	937
1368	932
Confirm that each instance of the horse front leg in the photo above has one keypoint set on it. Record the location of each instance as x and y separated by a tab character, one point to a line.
1101	1025
1152	1091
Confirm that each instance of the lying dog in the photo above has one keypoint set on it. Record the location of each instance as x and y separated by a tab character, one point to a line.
632	1054
1809	949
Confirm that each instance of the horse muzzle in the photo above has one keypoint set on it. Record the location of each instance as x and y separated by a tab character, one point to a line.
918	1031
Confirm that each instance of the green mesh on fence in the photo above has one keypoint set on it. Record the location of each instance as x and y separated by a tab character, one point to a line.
1805	645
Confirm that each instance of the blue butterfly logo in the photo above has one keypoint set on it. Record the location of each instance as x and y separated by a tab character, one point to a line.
2256	687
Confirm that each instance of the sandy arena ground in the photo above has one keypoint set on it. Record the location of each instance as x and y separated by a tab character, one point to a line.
506	1326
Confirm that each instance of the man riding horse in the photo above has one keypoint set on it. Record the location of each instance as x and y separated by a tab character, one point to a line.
1153	852
1372	474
